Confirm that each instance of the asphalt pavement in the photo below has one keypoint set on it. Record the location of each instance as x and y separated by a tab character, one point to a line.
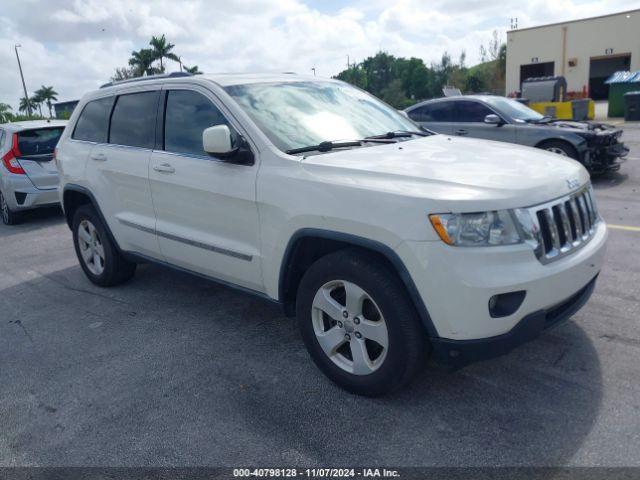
171	370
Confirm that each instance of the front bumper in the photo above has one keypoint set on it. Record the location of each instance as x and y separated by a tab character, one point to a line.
459	353
607	158
456	283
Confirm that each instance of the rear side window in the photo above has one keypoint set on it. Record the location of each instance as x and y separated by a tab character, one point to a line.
41	141
187	115
94	121
435	112
468	111
133	121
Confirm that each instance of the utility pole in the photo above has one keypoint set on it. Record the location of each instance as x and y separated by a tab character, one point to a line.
314	71
348	64
24	86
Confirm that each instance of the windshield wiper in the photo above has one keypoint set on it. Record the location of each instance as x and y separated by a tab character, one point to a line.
326	146
400	134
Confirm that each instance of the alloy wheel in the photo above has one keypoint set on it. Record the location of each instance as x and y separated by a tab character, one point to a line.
349	327
91	247
557	150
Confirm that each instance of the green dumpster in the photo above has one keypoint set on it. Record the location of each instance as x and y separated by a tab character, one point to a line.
619	84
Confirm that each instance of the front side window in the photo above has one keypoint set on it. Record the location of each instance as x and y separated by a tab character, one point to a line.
298	114
187	115
133	121
467	111
514	109
41	141
94	121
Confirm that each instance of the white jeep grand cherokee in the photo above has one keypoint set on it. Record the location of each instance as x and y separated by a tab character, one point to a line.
389	243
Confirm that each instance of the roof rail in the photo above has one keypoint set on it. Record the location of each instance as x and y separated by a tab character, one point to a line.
148	77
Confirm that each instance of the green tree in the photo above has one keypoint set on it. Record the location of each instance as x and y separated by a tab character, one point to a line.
5	114
192	70
124	73
27	103
46	95
495	55
355	76
162	49
394	95
142	62
475	82
38	100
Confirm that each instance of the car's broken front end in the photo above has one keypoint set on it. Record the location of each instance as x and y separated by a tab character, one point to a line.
606	151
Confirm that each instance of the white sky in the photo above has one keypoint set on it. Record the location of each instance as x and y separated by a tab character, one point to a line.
75	45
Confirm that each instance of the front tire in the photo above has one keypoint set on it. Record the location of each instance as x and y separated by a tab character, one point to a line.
9	217
99	258
561	148
359	324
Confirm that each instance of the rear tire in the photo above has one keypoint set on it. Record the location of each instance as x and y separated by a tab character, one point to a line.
358	323
99	258
9	217
564	149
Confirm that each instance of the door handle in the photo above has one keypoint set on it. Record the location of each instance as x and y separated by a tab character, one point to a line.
98	157
462	132
164	168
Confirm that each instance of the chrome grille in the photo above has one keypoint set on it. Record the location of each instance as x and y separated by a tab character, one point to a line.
565	225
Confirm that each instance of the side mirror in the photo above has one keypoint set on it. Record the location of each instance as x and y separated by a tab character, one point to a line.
493	119
216	141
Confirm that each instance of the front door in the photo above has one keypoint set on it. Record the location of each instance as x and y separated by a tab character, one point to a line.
469	122
207	217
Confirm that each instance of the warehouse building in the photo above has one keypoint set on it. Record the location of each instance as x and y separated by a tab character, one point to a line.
586	52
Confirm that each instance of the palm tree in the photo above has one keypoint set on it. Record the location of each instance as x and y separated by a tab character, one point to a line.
37	99
192	70
142	62
5	115
47	95
162	49
27	104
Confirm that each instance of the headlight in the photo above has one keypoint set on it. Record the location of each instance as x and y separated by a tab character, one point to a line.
477	229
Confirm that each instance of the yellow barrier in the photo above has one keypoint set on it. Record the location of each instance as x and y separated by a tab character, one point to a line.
561	110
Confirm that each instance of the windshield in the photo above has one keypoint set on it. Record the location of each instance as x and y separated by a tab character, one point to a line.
299	114
513	109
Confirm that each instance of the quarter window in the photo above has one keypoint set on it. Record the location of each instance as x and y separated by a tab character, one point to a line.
187	115
133	120
467	111
94	120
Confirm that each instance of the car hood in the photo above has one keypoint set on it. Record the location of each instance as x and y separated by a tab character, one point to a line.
459	174
593	128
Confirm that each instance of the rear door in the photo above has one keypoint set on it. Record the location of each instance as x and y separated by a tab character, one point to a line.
118	171
36	148
469	121
436	116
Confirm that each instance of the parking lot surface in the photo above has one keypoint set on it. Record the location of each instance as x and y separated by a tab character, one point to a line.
172	370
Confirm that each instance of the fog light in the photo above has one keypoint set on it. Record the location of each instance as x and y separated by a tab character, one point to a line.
506	304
